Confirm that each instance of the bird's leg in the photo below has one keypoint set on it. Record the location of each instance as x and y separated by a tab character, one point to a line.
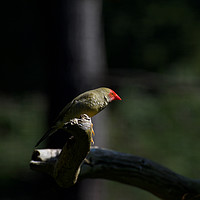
92	129
92	141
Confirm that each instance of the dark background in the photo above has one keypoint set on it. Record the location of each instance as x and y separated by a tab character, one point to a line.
147	51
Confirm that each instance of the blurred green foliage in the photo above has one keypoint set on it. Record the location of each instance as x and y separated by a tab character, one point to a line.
164	128
156	43
22	119
151	35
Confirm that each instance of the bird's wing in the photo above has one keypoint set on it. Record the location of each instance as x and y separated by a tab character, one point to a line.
54	128
63	112
78	103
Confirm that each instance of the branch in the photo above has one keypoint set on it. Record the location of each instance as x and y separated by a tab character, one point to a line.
64	166
139	172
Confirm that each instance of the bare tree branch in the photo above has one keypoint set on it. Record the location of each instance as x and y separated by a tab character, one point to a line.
139	172
64	166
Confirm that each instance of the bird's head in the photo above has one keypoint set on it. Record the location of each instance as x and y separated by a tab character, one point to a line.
109	95
113	96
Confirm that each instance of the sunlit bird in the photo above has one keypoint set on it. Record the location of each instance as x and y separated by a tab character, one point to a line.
90	103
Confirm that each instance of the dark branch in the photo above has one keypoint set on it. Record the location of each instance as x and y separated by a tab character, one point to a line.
139	172
64	166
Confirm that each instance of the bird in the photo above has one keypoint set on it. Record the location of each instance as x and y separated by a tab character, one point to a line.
90	102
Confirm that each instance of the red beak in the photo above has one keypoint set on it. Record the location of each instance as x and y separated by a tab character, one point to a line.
114	96
117	97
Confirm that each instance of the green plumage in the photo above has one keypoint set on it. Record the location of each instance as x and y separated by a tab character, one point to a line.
90	103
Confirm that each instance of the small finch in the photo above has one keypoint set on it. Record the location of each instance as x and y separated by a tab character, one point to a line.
90	103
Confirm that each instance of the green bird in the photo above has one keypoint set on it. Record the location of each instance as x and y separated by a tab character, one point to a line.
90	103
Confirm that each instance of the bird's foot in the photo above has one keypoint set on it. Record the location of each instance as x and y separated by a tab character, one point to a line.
92	141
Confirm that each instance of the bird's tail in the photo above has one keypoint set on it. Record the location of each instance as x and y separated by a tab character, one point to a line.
52	130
